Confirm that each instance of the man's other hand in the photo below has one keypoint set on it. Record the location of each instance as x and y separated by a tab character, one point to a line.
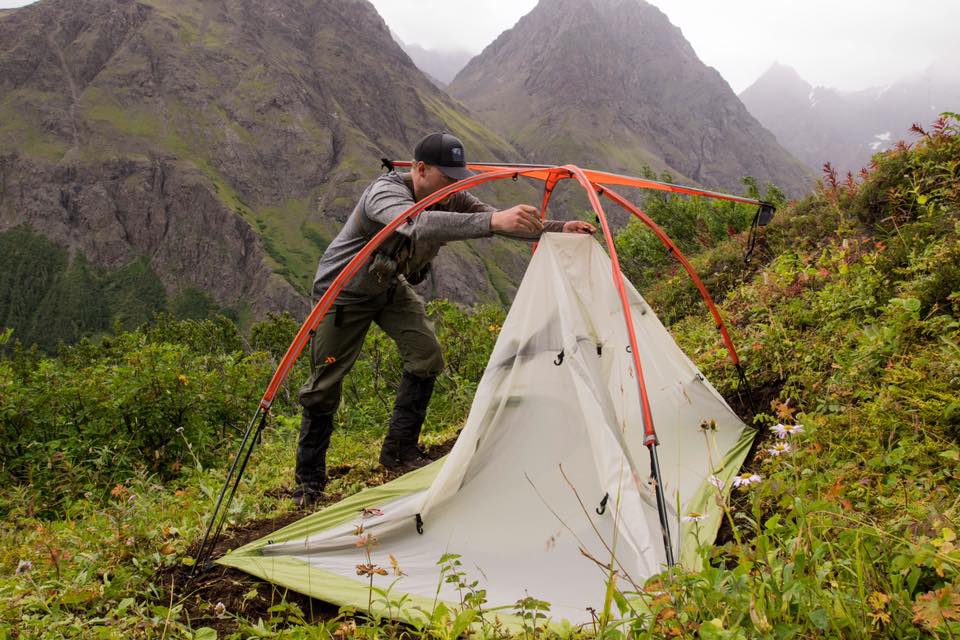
578	226
521	219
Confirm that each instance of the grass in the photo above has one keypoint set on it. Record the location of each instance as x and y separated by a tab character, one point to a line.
21	129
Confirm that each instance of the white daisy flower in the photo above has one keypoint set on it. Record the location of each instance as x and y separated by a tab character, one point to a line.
717	482
779	448
746	479
24	566
220	610
786	430
693	516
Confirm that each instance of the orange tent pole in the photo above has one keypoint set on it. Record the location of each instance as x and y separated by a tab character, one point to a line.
675	251
307	329
543	172
650	434
326	301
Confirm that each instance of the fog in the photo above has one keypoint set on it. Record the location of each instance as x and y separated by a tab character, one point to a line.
852	44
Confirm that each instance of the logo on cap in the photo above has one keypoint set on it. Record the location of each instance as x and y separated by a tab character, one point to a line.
457	153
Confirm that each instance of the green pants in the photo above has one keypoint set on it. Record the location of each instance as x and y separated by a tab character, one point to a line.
336	345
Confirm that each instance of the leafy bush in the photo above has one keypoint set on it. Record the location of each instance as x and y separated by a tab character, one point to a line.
103	411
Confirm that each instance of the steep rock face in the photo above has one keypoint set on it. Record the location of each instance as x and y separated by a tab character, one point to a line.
261	120
120	210
611	83
845	128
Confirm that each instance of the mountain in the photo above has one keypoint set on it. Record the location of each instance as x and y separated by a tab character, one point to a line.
613	84
223	142
439	64
845	128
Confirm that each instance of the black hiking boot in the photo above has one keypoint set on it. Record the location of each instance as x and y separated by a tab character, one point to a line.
306	497
400	450
311	470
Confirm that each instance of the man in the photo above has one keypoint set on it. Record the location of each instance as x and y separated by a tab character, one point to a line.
382	293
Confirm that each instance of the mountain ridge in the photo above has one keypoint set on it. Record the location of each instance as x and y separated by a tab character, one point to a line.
845	128
613	83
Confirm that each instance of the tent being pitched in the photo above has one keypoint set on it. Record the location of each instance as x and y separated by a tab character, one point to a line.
554	432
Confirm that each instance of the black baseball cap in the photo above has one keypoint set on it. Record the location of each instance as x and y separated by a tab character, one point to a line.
445	152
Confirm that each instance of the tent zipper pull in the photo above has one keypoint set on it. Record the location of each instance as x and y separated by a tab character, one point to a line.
419	524
603	504
559	360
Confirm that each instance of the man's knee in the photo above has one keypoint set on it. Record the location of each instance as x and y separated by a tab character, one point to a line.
426	361
323	400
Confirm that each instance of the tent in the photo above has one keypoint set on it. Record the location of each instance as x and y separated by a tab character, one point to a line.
549	479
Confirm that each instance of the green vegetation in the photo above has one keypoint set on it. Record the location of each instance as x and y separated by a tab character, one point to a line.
848	317
46	298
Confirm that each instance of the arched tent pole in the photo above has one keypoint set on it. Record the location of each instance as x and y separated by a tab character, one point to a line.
309	326
543	172
614	179
548	186
675	251
650	434
550	175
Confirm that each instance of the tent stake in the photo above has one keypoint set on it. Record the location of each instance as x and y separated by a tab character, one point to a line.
661	504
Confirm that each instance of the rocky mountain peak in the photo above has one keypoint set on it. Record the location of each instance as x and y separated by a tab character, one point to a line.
612	83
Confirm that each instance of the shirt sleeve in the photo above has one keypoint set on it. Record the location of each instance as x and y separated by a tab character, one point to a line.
469	203
549	226
388	202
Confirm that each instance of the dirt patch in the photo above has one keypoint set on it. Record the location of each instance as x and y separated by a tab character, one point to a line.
242	595
247	597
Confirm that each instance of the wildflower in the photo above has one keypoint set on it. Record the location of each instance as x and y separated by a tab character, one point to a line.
878	603
220	610
785	430
370	570
717	482
129	541
371	512
24	566
395	566
779	448
693	516
346	629
367	541
746	479
184	380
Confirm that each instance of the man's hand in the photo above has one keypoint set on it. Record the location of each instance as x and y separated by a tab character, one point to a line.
521	219
578	226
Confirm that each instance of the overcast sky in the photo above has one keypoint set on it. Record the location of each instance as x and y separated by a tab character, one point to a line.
847	44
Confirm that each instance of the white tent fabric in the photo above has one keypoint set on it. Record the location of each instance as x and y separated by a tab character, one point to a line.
555	426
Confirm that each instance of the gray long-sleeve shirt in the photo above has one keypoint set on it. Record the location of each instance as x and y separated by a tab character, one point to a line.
460	217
